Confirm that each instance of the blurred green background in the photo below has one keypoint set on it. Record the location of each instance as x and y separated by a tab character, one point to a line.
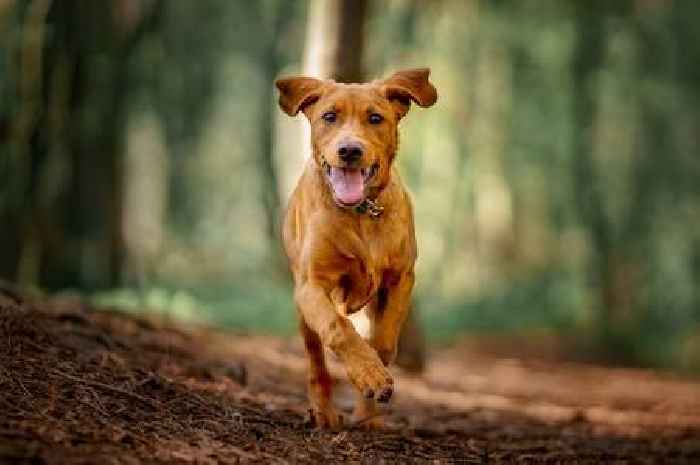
144	163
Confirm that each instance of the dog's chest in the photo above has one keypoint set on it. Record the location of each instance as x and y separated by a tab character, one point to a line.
381	257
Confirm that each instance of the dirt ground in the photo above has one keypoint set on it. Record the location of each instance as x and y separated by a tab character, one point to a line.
84	386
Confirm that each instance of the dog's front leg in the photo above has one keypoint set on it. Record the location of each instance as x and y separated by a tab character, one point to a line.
365	369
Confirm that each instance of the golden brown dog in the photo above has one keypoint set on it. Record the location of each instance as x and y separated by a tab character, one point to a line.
348	231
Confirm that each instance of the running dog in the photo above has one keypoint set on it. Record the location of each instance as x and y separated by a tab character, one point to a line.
348	232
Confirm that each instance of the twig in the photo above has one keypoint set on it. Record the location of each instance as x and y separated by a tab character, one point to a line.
19	381
98	384
26	392
240	452
96	398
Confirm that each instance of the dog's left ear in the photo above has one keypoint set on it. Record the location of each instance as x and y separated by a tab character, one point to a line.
409	85
298	92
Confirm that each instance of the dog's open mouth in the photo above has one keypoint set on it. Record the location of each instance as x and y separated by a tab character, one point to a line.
349	184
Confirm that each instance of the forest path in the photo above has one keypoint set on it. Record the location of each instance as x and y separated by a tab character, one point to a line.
83	386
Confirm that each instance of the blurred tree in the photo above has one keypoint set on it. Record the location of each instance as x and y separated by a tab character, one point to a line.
180	74
273	60
64	151
556	186
588	58
625	243
335	39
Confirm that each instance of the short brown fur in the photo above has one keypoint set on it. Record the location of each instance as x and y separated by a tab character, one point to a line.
343	260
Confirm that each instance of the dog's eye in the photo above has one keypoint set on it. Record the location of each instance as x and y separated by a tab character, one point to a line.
375	118
329	116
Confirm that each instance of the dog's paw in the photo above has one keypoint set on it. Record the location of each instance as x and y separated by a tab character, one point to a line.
369	424
387	356
367	372
325	419
366	415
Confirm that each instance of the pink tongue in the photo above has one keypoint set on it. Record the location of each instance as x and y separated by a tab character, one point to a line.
348	184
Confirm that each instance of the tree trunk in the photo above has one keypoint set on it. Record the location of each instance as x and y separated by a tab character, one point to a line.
68	181
270	183
607	267
335	39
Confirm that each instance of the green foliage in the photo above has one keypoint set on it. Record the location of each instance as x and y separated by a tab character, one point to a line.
547	300
257	308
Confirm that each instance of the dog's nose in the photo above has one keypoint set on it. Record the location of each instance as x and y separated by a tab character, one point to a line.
350	151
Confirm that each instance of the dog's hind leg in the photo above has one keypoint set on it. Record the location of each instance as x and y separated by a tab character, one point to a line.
388	311
366	414
385	313
320	382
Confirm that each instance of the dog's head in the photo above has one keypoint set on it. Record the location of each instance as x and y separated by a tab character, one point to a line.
354	133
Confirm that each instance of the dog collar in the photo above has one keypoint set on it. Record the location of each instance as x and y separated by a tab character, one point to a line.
370	207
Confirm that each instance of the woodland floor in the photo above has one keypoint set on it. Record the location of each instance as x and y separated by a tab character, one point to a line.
80	385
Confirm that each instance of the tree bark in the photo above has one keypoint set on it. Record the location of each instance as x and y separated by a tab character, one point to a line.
335	39
608	268
269	176
69	181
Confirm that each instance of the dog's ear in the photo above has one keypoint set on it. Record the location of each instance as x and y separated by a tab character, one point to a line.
298	92
409	85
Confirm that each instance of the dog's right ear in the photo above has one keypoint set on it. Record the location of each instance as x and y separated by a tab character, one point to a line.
298	92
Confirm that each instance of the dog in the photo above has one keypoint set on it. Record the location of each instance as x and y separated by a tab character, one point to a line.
348	232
